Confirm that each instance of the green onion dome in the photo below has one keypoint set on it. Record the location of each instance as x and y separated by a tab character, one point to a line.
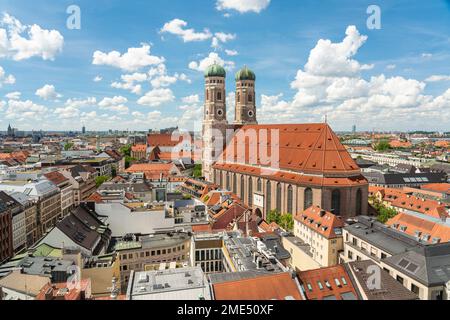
245	74
215	70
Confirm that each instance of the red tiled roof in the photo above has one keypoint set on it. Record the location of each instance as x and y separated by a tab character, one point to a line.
293	177
438	187
429	207
56	177
412	225
150	167
323	222
267	287
163	140
303	148
139	148
201	228
329	278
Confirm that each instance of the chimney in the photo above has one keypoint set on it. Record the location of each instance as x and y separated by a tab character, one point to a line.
322	213
49	293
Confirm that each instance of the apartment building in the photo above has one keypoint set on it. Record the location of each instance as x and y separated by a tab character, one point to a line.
207	252
47	197
66	188
420	267
322	232
138	255
6	237
29	208
82	179
18	222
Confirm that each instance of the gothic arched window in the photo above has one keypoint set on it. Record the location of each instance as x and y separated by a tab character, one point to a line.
228	181
219	95
234	183
290	200
250	98
279	197
358	202
268	196
250	192
259	186
308	201
336	202
242	188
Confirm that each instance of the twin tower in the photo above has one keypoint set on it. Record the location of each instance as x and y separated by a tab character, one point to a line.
215	111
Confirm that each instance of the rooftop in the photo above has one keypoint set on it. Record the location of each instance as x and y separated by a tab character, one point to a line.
172	284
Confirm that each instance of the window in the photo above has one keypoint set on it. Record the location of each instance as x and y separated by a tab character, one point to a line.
308	201
279	197
350	255
358	201
250	98
400	279
207	94
219	96
238	97
290	200
336	202
250	192
268	196
234	183
228	181
259	186
242	188
320	285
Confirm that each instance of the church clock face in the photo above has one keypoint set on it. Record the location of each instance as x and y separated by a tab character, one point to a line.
220	112
251	113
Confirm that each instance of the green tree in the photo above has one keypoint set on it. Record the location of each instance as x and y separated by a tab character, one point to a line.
126	150
285	221
100	180
68	146
382	145
384	213
128	161
197	173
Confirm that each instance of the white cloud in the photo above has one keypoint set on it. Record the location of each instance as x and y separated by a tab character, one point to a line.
391	66
243	6
23	110
133	60
437	78
156	97
427	55
48	92
212	58
80	103
129	82
221	37
231	52
13	95
6	79
40	42
332	83
116	104
97	79
192	99
178	28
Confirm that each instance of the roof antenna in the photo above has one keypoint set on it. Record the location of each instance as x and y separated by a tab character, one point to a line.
326	118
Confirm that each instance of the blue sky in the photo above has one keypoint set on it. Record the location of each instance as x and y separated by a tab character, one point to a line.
397	77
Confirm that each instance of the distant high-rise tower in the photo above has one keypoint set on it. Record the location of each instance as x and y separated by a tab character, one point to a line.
10	131
354	129
83	130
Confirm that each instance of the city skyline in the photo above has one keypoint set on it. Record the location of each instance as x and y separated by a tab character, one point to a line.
316	63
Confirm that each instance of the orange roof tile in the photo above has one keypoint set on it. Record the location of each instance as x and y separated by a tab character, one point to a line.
428	207
328	278
438	187
415	226
163	140
321	221
139	148
267	287
305	148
